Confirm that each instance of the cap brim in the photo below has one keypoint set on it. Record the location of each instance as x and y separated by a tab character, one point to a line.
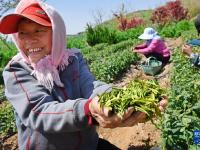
9	24
145	37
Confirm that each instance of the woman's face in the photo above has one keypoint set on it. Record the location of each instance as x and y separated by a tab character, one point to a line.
34	39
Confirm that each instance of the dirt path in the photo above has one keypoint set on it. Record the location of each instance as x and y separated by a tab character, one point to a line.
143	136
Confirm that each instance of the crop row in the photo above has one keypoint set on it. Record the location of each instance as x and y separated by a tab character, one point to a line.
182	116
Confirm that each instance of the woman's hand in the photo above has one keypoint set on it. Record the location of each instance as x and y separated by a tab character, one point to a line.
135	118
134	49
186	49
163	104
104	116
140	117
107	119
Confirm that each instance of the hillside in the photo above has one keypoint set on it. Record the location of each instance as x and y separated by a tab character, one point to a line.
193	7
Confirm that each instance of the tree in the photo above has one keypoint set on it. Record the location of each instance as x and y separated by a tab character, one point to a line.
171	12
98	16
6	5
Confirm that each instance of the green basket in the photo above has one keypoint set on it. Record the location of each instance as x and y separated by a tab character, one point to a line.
151	66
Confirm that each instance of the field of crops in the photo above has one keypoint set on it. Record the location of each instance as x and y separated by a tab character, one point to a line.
109	58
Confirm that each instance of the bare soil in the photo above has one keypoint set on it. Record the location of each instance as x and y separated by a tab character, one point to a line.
143	136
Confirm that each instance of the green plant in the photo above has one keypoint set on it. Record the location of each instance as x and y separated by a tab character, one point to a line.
142	95
7	120
175	29
129	34
171	12
2	95
182	115
100	34
109	68
6	54
78	41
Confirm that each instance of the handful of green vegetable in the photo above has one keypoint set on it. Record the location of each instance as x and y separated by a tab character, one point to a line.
142	95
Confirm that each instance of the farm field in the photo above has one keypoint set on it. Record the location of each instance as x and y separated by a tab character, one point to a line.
108	51
140	137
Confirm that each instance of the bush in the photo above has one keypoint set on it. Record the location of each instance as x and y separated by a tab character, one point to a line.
182	115
100	34
6	54
171	12
175	29
78	41
7	120
125	23
110	68
132	33
2	94
134	22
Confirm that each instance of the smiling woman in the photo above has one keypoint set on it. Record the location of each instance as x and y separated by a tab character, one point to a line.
53	92
34	39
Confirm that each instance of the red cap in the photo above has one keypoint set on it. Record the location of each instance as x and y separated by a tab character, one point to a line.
9	24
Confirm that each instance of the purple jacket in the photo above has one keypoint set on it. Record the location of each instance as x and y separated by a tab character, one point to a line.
155	46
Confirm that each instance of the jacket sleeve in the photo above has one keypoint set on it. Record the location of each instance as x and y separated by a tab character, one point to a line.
144	45
148	49
37	108
195	59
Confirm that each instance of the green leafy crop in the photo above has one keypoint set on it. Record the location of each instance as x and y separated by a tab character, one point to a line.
142	95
